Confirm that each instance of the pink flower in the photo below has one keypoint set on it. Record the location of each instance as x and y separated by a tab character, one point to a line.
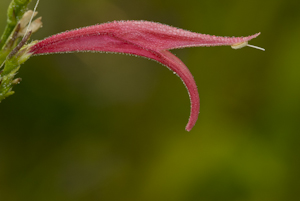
142	38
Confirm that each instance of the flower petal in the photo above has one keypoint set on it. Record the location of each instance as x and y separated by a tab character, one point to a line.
150	35
142	38
175	64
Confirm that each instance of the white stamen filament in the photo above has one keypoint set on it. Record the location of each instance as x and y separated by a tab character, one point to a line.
35	7
259	48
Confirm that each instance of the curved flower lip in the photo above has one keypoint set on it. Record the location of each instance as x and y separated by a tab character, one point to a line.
142	38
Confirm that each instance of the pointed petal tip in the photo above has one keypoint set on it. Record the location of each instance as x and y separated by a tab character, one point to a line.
251	37
257	34
191	123
188	128
195	110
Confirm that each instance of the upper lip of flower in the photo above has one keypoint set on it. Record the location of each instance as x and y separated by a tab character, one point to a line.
142	38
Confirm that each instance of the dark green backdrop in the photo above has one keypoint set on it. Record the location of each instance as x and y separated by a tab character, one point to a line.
111	127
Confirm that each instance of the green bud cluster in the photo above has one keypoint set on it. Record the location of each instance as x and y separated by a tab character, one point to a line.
13	47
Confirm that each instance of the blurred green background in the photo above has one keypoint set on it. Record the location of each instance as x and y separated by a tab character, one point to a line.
110	127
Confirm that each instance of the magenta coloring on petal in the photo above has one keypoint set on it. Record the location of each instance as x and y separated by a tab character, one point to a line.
142	38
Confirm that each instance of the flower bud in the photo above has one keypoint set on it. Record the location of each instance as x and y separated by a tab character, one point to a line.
26	25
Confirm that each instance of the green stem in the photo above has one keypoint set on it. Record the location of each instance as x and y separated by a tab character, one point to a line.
10	48
7	77
17	57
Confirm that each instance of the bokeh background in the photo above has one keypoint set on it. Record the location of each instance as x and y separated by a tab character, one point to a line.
91	126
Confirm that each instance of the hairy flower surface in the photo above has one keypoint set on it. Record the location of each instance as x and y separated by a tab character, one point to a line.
142	38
